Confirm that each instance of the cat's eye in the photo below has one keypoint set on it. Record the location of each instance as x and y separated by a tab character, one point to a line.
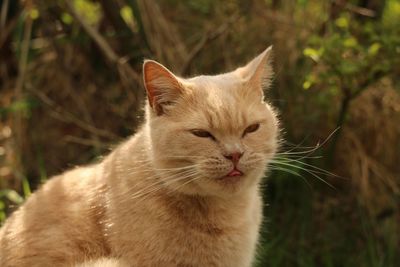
252	128
202	133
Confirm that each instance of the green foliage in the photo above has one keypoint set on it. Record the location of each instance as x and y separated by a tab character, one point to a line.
352	54
67	18
23	106
34	13
90	10
8	196
392	14
127	14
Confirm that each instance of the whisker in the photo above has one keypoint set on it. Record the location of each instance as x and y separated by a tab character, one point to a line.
293	173
140	168
298	166
170	182
318	145
308	171
143	191
156	177
320	170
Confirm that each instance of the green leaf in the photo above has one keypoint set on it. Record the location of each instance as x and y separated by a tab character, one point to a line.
34	13
307	85
127	15
26	187
90	10
66	18
350	42
2	217
22	106
12	195
342	22
312	53
373	49
309	81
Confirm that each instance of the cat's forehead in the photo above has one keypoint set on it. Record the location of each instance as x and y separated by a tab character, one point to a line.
217	93
219	103
227	81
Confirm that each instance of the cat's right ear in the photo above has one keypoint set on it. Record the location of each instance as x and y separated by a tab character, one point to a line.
162	86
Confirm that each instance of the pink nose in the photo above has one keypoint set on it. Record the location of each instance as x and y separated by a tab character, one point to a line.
234	157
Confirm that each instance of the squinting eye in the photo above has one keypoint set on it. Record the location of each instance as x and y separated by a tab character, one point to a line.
251	128
202	133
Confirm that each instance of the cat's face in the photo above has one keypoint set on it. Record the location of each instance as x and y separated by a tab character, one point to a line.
210	135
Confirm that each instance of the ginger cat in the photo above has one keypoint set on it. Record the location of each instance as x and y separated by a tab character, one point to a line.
183	191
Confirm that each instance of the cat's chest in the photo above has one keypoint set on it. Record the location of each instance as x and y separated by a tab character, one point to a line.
188	246
216	245
185	239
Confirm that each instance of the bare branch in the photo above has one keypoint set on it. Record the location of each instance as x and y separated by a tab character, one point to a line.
63	115
3	14
205	40
356	9
129	78
99	40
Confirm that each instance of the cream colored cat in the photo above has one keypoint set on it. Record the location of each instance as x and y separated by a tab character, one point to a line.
183	191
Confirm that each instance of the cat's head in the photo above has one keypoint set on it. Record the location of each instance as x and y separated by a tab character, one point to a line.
211	135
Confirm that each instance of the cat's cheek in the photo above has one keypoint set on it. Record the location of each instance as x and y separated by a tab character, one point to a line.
213	169
192	146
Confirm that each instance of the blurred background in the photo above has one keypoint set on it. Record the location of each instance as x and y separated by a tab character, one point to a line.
70	89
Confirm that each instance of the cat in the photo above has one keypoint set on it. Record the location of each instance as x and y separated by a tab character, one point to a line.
183	191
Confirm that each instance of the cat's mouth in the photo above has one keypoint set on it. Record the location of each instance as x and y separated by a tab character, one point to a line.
234	172
233	176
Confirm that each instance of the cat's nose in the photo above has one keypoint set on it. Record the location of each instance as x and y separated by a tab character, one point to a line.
234	157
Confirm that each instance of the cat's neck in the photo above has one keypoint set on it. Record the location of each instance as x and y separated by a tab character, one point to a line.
214	214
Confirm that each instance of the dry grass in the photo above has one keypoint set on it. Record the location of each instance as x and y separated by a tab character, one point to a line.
369	152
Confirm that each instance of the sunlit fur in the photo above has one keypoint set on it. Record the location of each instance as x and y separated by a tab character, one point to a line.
161	198
223	106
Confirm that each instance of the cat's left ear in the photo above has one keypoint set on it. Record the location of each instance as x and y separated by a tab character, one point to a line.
258	72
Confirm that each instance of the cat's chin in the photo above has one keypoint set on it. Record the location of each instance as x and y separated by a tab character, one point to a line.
229	179
225	186
229	185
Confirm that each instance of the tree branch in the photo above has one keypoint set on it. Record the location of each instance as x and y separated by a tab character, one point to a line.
204	41
130	79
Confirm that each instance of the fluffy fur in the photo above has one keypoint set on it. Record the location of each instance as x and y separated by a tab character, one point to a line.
163	197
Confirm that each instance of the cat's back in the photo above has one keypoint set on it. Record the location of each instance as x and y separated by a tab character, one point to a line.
61	219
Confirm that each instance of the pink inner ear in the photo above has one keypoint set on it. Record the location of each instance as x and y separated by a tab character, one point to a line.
160	84
151	72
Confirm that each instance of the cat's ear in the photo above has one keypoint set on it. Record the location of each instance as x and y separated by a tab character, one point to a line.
258	72
162	86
